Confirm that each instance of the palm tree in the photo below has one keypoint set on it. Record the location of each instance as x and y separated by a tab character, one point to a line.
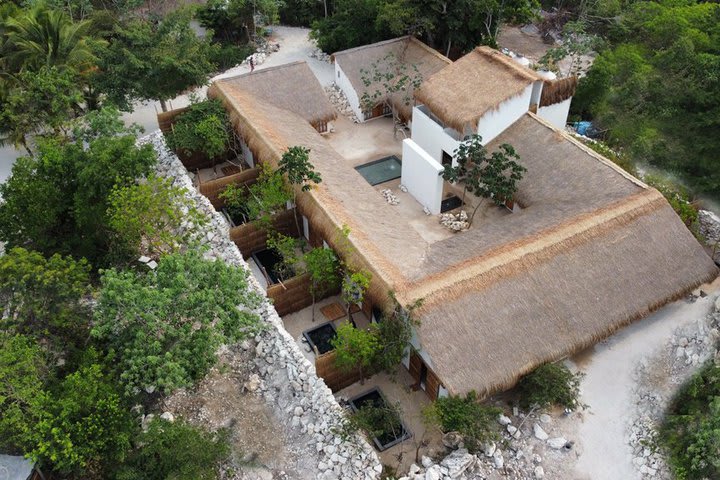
42	37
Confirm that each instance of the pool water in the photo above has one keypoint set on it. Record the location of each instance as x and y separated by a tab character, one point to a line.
320	337
381	171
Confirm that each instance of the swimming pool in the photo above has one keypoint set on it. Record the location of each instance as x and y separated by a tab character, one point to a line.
381	171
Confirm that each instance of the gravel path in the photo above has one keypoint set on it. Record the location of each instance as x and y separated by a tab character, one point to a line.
610	386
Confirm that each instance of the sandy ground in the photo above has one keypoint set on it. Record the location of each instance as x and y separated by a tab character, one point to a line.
608	386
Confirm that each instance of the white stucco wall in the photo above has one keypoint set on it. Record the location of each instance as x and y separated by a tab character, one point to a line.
494	122
421	174
343	82
536	92
247	154
556	114
431	136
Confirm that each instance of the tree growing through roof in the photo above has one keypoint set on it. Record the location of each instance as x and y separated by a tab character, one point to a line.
295	163
353	288
355	348
494	176
395	332
388	81
324	269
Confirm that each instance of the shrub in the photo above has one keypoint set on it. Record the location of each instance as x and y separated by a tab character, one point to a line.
175	450
677	196
475	421
164	327
203	127
550	384
690	432
618	158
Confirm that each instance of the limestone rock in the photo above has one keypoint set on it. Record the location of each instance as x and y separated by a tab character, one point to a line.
557	443
539	432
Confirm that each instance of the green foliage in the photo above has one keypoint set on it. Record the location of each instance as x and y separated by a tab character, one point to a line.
105	122
354	286
204	127
473	420
550	384
23	373
655	89
286	247
395	331
175	450
163	328
391	77
301	13
38	102
154	60
353	23
690	432
576	43
355	348
84	425
379	420
324	269
678	197
493	176
295	163
266	197
57	200
41	296
617	157
233	21
147	217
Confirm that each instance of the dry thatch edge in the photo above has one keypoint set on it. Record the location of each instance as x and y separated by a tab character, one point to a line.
589	151
318	205
410	38
473	274
556	91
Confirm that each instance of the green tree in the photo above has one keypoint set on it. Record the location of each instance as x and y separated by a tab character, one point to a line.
23	373
42	296
286	247
355	348
148	217
466	415
324	269
57	200
169	450
85	424
204	127
353	288
493	176
395	330
41	101
154	61
295	163
163	328
550	384
390	81
42	37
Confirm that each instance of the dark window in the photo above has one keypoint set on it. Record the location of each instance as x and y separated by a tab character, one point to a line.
446	159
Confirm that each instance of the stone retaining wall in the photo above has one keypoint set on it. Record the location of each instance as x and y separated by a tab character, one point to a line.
285	378
709	226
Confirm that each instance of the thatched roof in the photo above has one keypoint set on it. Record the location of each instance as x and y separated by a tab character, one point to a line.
556	91
478	82
409	50
593	249
292	86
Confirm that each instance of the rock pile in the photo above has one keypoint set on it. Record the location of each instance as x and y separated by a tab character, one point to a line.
320	55
390	197
457	222
709	226
340	102
688	348
283	377
517	456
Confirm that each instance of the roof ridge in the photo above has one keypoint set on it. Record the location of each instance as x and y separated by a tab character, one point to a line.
428	48
497	55
260	71
376	44
435	286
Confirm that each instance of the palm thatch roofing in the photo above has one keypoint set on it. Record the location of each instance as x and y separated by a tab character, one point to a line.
474	84
592	249
559	90
407	50
292	86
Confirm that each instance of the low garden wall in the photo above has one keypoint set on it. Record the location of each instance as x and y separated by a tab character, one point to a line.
287	380
335	378
250	238
292	295
212	188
